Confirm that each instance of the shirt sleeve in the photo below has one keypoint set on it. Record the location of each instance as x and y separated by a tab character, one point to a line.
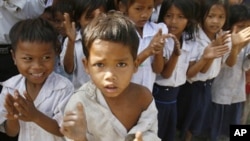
24	9
148	124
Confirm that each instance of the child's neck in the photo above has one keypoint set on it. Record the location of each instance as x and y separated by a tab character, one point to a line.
33	90
140	31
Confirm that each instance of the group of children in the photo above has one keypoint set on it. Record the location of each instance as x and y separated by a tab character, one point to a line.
123	76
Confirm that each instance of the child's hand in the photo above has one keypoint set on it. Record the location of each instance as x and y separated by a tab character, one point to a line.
157	43
138	137
69	27
213	51
222	39
25	107
177	45
240	38
10	108
74	124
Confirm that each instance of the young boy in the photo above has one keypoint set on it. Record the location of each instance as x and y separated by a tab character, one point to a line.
32	103
110	106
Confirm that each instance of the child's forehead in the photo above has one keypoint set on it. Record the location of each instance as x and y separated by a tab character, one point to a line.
143	2
34	44
108	46
217	7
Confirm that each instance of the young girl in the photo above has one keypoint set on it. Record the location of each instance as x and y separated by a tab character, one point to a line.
228	89
32	102
58	9
152	40
178	15
72	54
246	108
204	67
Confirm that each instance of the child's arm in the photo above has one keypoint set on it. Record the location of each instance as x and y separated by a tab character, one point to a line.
209	53
74	124
68	60
239	40
221	40
171	63
28	112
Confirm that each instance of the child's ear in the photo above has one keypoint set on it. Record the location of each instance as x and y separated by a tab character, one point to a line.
136	62
13	56
85	64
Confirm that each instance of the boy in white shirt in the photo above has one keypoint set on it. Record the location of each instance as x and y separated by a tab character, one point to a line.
32	102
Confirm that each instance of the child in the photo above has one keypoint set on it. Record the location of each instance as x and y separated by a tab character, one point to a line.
57	12
178	15
32	102
113	107
152	40
204	67
72	54
246	108
228	89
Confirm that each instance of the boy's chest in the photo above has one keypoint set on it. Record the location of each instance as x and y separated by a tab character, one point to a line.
128	114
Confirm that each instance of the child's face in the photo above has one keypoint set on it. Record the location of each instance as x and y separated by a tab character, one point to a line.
140	11
86	19
59	19
232	2
175	21
214	20
34	60
110	66
48	17
241	25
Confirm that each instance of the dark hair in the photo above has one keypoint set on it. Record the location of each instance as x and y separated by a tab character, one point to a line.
63	6
33	30
128	3
205	7
238	13
188	9
88	6
114	27
112	4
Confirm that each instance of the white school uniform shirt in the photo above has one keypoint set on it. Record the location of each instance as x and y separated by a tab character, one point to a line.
229	86
51	101
145	75
155	15
178	76
12	11
102	125
79	76
213	71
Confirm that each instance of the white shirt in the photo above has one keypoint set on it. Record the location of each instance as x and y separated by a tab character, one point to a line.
213	71
12	11
229	86
145	75
155	15
178	76
102	125
79	76
51	101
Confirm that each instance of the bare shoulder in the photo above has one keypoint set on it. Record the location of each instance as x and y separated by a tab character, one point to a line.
143	94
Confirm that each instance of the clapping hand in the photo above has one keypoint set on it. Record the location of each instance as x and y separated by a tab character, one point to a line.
74	124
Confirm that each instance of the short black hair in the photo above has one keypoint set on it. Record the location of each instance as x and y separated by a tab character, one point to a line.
238	13
33	30
114	27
